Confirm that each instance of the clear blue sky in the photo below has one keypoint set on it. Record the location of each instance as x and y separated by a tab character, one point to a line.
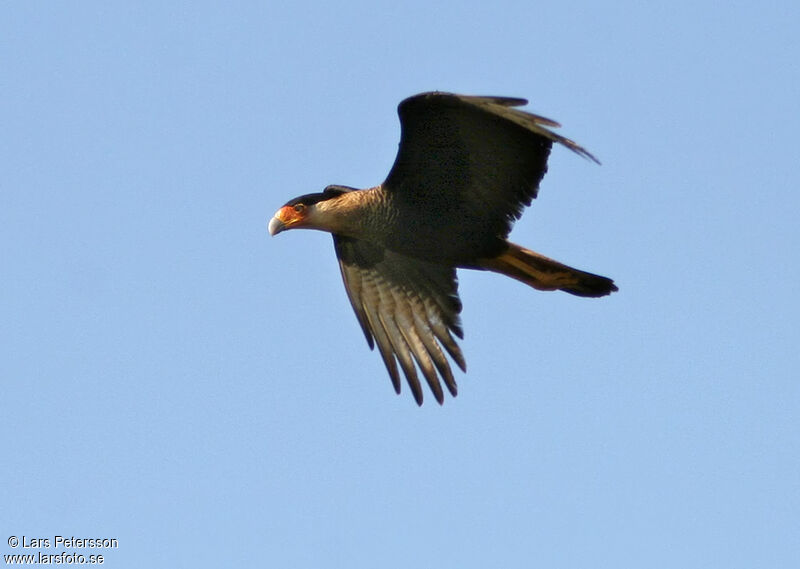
175	379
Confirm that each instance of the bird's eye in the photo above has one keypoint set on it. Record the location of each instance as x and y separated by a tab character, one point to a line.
299	208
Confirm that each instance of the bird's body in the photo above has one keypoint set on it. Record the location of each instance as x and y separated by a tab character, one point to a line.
465	170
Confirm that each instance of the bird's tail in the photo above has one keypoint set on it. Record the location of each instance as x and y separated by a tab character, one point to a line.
543	273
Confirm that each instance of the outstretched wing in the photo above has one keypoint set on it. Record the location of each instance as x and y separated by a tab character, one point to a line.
471	163
408	307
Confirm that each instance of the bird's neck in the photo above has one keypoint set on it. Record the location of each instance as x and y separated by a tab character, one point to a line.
360	214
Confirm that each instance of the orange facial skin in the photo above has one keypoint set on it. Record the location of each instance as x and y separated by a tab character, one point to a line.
287	217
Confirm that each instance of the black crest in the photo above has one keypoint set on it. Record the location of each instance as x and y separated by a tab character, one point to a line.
326	194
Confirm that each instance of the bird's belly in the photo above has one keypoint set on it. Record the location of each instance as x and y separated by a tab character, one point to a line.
438	245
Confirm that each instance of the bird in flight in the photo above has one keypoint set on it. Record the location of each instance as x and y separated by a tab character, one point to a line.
465	170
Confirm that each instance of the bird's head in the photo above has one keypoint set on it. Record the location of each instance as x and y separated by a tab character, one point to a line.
302	212
298	212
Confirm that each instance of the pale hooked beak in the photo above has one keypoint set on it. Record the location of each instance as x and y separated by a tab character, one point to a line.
275	226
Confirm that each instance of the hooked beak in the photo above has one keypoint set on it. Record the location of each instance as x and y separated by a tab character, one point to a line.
276	226
284	219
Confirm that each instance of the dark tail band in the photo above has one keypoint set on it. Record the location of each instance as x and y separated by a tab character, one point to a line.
543	273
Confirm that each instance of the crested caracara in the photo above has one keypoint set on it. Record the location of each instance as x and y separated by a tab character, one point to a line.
465	170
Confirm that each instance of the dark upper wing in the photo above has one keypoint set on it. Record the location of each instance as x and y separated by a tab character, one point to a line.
471	162
408	307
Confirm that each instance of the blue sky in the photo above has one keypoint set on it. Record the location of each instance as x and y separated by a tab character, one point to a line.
175	379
